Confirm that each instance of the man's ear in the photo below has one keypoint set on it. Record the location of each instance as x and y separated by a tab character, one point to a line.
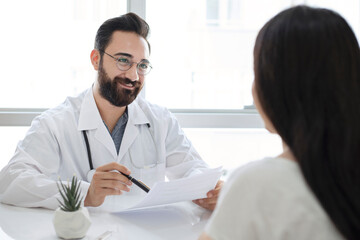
95	58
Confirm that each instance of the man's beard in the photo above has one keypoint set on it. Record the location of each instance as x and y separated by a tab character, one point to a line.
109	89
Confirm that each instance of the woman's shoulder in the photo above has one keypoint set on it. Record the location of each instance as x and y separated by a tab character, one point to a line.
278	180
267	171
270	198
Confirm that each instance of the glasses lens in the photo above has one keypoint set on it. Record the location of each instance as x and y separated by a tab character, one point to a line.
144	67
124	63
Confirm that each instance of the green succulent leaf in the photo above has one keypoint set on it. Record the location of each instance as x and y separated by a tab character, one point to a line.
70	195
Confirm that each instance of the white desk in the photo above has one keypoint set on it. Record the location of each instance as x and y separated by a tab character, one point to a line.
158	223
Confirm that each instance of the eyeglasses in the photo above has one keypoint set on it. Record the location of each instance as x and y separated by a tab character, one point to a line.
124	63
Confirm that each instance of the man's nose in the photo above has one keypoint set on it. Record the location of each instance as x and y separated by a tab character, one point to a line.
132	73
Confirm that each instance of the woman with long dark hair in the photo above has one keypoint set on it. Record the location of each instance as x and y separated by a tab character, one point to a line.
307	90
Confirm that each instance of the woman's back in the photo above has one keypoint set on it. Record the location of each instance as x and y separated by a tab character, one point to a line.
269	199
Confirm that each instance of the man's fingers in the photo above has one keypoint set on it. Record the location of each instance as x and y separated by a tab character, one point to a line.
207	200
217	188
213	193
107	180
96	195
205	204
208	206
212	197
113	166
98	176
103	192
113	184
210	200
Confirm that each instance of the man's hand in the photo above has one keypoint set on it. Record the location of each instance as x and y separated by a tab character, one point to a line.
212	197
106	182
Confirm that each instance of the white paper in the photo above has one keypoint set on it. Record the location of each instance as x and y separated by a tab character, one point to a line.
4	236
174	213
183	189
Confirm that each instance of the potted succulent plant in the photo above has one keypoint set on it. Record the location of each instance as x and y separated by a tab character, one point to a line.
71	220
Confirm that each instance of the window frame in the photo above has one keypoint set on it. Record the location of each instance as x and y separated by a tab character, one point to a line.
188	118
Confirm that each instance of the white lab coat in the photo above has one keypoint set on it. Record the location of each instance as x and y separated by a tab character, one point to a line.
153	146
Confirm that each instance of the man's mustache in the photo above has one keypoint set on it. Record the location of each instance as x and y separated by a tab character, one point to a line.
127	81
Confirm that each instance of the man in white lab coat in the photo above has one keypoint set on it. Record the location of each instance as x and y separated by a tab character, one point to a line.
105	129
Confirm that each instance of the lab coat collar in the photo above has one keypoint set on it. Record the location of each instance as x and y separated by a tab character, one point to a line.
136	114
90	117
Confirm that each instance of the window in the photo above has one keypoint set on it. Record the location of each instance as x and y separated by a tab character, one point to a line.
201	55
202	51
46	48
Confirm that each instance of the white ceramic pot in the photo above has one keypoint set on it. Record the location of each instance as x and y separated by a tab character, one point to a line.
70	225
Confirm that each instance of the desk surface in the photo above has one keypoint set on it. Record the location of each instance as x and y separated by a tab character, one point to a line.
184	221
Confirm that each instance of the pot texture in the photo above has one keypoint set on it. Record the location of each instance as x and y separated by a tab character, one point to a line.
69	225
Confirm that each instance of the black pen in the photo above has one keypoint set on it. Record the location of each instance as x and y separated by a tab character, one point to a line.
140	184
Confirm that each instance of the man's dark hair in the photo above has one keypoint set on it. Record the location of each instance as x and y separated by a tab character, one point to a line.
307	78
129	22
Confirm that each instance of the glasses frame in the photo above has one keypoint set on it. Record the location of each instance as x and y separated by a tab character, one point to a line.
130	64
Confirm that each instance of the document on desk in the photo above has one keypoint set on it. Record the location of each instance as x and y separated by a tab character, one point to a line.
184	189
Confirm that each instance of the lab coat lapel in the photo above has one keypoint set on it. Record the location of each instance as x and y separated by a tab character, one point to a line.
136	117
90	119
89	115
104	137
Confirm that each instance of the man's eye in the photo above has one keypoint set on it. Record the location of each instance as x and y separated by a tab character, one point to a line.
123	60
144	66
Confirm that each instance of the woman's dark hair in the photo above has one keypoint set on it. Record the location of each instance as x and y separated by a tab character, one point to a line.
307	78
129	22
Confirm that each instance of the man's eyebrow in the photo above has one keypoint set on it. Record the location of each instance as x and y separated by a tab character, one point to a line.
130	56
124	54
